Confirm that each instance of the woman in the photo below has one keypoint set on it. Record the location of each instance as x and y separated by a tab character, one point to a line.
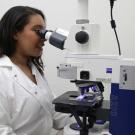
25	98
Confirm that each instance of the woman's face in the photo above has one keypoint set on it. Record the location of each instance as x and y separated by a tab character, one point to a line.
28	43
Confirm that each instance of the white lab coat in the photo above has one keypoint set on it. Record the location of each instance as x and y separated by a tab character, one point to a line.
25	108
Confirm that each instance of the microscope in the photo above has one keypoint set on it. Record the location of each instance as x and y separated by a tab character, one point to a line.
87	104
93	74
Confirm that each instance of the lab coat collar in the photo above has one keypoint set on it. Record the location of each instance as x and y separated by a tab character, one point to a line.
21	79
5	61
34	70
28	86
16	73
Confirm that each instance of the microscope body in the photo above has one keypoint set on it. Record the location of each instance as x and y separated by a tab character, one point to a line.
98	78
116	73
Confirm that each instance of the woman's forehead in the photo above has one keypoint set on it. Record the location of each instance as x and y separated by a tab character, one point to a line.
37	21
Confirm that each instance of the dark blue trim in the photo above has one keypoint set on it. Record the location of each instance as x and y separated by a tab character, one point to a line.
122	113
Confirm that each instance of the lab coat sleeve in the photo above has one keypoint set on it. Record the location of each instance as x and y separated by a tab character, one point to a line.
5	119
5	128
60	120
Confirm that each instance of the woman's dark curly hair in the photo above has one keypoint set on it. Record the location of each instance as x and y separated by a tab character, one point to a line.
14	20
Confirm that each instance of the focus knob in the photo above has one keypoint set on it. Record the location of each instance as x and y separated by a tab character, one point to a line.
82	37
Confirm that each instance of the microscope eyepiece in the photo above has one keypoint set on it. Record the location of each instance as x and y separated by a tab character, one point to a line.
55	38
41	33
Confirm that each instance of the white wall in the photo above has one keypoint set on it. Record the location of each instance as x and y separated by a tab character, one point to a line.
124	15
63	13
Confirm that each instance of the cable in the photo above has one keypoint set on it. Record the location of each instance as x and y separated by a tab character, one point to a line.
113	24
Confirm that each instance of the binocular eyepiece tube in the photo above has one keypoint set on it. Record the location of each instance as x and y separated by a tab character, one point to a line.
56	38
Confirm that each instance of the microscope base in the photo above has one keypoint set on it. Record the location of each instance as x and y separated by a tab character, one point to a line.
67	104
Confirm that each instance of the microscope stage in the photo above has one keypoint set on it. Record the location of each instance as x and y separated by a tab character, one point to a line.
67	103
